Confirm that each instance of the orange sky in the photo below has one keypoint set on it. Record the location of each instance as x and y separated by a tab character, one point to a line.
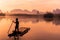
42	5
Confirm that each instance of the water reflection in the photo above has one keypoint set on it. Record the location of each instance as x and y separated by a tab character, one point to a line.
26	19
56	21
40	28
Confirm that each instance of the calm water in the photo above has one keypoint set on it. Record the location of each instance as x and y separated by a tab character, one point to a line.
40	29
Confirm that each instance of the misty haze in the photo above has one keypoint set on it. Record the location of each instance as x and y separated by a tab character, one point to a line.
29	19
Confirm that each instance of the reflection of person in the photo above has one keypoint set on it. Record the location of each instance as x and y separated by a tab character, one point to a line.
17	25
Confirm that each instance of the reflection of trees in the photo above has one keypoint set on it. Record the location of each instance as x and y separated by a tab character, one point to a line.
35	21
48	16
26	19
56	21
1	17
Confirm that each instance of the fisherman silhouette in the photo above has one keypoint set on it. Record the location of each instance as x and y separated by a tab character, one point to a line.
17	25
16	33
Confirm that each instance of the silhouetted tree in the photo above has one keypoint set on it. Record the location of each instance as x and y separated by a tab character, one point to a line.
48	16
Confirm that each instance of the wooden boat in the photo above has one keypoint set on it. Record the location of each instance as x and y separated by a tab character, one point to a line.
21	32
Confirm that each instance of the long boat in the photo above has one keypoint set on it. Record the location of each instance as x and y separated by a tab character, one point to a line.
21	32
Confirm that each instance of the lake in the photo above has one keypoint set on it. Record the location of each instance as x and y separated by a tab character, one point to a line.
39	28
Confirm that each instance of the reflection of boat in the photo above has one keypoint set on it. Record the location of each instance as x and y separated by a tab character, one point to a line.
21	32
48	17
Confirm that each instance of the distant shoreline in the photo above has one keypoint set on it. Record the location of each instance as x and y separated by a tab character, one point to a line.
38	15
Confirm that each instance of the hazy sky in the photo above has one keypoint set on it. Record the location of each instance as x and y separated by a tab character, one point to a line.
42	5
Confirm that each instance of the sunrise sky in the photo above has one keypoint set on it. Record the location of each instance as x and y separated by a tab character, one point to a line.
41	5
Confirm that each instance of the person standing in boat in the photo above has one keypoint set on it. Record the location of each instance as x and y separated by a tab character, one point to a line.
17	25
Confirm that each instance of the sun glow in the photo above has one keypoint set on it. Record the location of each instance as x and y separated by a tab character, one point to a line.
42	5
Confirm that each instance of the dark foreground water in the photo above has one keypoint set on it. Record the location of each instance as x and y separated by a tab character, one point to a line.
40	29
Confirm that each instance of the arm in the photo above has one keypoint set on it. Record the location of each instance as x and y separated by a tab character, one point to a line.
13	21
